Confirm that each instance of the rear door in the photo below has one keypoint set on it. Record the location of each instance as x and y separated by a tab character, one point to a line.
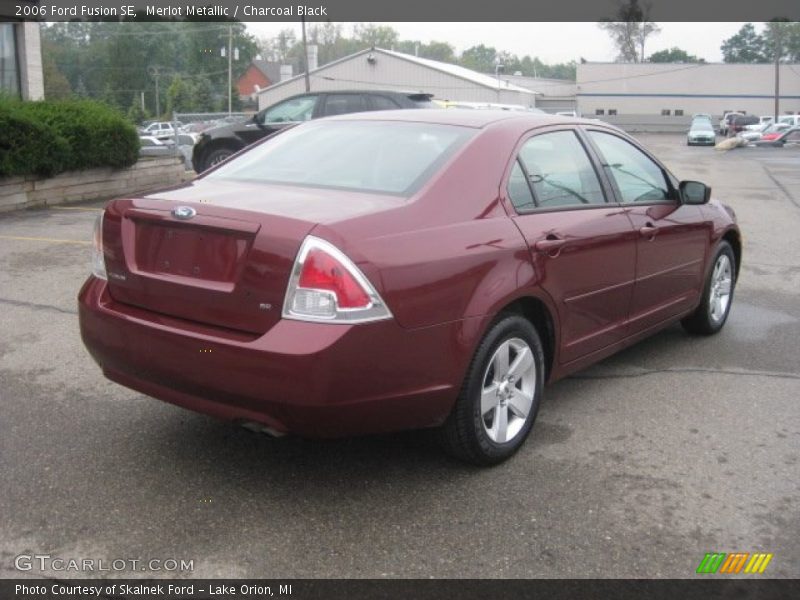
672	238
343	104
292	110
583	247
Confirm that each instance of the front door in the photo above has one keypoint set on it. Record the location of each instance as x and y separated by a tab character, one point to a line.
672	236
583	248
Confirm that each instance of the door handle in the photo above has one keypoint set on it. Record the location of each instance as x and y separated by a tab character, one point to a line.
550	246
649	231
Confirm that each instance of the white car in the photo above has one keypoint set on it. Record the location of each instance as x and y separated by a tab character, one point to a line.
159	130
750	135
791	120
762	122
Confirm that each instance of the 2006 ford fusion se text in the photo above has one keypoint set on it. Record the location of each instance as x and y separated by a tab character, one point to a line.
377	272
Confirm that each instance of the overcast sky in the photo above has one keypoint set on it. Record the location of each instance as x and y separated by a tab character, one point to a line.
551	42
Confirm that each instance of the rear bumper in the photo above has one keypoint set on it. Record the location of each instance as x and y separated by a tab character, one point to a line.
311	379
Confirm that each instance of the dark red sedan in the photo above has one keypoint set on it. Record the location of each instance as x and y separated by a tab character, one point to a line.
395	270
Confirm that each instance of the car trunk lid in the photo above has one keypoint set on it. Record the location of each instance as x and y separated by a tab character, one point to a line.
222	267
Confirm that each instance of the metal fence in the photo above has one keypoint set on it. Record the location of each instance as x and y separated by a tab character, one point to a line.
187	126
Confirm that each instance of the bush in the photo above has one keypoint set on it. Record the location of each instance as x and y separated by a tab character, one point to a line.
63	136
28	147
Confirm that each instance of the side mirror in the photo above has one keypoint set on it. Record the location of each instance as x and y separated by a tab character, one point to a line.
695	192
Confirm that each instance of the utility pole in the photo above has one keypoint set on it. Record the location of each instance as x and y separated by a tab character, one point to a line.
155	73
778	51
305	54
230	68
498	67
777	86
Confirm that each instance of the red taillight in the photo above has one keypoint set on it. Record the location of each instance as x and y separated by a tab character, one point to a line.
326	286
323	272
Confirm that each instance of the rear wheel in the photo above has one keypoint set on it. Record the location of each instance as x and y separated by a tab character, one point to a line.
713	310
500	396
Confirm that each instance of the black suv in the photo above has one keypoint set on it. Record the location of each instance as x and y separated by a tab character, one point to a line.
217	144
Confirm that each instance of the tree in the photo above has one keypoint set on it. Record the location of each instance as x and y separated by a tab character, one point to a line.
179	97
113	60
56	85
136	114
375	36
782	38
480	58
746	46
204	94
673	55
629	30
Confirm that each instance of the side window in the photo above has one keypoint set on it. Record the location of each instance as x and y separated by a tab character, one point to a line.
638	178
560	171
342	104
519	192
383	103
292	110
793	136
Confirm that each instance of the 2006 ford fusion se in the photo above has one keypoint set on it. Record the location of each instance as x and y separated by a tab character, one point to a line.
395	270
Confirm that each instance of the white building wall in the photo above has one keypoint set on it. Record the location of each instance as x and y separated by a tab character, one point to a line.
29	49
649	88
391	73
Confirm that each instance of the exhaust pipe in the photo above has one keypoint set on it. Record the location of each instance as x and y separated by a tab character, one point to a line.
261	428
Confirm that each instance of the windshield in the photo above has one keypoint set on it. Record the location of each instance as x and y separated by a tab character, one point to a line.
702	126
371	156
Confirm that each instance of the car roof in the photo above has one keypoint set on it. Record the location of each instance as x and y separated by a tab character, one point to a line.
376	91
461	117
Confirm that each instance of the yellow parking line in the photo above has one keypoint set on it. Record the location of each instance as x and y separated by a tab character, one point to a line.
39	239
74	208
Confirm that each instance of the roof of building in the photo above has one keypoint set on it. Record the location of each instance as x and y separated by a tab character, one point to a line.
459	71
454	70
271	70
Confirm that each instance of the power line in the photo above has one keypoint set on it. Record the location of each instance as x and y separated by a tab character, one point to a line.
686	68
173	29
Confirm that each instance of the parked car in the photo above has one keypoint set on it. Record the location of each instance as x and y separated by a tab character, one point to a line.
217	144
739	122
768	131
791	120
186	142
701	133
160	129
152	146
724	123
763	122
789	137
775	131
377	272
487	106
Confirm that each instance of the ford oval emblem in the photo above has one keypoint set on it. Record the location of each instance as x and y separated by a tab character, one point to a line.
183	212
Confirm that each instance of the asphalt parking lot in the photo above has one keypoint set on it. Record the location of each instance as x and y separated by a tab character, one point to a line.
637	467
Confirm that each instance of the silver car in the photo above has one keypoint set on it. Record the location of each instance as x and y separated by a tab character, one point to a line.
701	133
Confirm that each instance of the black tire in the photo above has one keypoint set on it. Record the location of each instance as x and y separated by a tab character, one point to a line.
703	320
466	434
215	157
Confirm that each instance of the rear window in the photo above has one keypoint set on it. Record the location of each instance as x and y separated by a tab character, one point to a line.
381	156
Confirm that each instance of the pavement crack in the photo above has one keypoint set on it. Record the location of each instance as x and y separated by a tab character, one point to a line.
36	306
646	372
781	187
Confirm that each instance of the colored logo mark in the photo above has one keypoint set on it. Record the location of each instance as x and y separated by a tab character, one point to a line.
735	562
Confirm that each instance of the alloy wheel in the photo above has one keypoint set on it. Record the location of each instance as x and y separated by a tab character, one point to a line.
509	384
